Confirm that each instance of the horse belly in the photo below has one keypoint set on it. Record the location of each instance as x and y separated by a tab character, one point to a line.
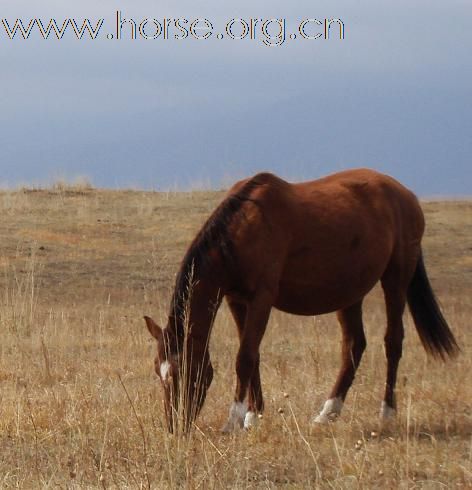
314	292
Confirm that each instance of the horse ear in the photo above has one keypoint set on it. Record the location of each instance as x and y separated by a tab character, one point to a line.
154	329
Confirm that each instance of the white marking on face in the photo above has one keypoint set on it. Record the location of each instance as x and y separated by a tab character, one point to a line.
164	370
386	411
331	409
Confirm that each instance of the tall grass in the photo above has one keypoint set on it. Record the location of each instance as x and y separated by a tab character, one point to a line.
20	293
81	406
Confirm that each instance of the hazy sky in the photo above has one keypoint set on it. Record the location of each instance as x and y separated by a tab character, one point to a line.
395	94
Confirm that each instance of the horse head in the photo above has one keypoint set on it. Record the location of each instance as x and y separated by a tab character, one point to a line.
185	372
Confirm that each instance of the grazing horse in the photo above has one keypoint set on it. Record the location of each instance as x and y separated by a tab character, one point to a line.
307	248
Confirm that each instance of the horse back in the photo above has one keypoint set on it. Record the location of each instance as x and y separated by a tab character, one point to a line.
304	240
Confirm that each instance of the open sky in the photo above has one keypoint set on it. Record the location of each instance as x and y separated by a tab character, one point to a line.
395	94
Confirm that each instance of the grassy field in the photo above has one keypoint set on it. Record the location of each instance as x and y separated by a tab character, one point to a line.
81	405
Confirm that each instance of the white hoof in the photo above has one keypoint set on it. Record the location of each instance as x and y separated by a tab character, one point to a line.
331	410
387	412
323	419
250	420
237	416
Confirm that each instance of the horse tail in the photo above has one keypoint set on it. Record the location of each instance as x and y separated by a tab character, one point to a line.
432	328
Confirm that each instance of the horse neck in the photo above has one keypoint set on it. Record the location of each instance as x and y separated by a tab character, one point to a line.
204	303
200	310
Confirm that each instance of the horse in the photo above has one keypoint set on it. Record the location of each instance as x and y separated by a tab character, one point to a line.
306	248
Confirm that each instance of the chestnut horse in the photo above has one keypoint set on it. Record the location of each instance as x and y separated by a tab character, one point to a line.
307	248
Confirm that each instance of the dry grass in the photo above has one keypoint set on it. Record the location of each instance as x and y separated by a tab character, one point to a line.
80	404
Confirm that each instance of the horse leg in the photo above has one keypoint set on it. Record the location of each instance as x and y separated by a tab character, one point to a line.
353	346
255	397
395	304
247	366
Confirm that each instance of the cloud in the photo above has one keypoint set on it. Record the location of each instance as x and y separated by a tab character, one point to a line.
394	94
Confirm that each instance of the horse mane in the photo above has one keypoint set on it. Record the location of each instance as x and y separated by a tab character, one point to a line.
213	234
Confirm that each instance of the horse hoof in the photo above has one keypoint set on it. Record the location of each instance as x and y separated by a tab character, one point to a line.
387	413
231	426
250	420
227	428
331	410
237	414
323	419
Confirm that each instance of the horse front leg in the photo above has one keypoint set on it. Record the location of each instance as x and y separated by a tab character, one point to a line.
255	397
353	346
243	413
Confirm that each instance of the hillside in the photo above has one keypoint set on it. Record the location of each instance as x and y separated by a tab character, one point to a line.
81	406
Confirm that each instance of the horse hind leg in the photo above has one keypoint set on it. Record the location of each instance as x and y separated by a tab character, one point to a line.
353	346
395	300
